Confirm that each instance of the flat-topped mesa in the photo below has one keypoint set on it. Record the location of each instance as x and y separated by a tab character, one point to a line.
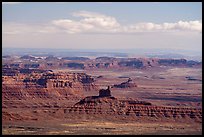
46	85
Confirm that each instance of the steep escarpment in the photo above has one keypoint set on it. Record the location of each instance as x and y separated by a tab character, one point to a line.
45	85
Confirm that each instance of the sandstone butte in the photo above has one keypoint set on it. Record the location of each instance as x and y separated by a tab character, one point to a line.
106	105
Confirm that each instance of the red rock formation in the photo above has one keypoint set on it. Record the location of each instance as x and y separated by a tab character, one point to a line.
46	85
127	84
132	109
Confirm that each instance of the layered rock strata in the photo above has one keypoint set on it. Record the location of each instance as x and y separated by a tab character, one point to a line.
109	106
45	85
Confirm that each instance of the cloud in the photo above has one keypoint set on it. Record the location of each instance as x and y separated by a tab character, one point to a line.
191	25
99	20
91	22
99	23
11	3
165	27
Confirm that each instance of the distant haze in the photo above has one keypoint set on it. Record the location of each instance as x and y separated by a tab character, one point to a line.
93	53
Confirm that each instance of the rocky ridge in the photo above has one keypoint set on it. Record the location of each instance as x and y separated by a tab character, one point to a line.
109	106
52	62
128	84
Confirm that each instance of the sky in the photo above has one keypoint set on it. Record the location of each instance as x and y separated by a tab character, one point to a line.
102	25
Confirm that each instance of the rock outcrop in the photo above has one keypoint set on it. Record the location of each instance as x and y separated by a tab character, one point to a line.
109	106
105	92
127	84
45	85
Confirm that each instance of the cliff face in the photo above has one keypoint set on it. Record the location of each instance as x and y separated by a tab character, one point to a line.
45	85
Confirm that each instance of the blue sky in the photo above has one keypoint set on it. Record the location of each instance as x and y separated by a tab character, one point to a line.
94	25
130	11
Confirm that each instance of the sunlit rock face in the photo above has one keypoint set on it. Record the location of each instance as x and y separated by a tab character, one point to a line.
106	105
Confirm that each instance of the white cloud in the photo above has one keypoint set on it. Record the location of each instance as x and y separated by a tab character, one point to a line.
178	26
91	22
11	3
191	25
95	22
